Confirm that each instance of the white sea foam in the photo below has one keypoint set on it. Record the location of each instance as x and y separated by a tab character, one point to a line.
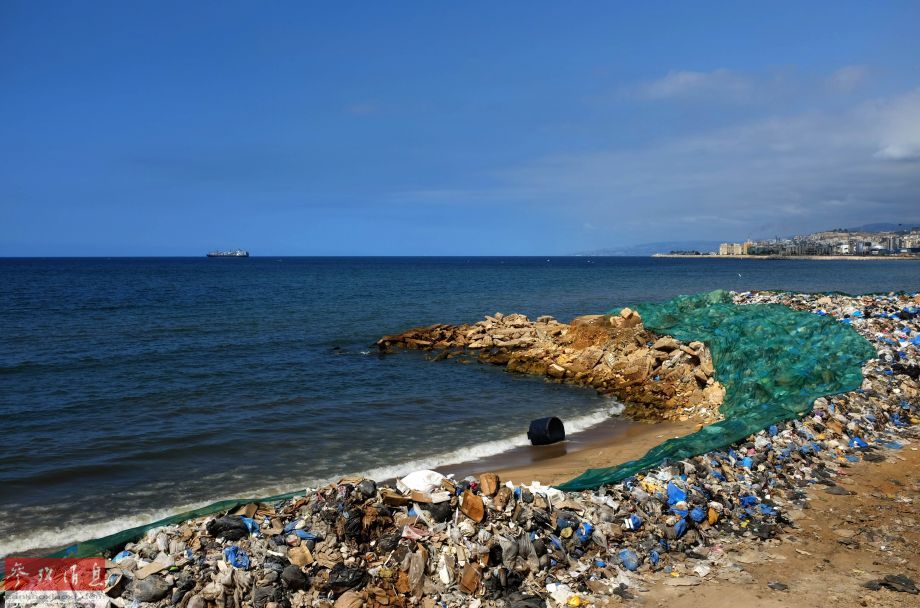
73	532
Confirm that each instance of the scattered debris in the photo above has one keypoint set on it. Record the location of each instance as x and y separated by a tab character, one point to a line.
438	541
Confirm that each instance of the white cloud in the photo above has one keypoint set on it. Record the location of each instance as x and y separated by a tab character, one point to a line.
899	128
848	78
687	84
723	85
776	175
899	152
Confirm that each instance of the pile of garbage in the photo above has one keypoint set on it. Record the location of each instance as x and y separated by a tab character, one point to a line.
657	377
437	541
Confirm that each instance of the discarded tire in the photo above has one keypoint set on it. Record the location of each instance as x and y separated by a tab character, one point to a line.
545	431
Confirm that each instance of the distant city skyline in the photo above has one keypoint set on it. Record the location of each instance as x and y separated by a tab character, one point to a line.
171	128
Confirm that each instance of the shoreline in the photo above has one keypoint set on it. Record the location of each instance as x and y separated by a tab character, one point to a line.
836	258
609	443
690	526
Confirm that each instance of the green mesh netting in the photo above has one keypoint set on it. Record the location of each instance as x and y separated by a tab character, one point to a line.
111	542
773	361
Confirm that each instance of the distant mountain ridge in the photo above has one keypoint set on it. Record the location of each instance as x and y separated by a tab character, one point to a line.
884	227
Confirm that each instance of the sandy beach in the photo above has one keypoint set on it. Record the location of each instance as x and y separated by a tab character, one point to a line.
607	444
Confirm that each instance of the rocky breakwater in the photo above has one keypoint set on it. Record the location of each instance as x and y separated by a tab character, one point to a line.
657	377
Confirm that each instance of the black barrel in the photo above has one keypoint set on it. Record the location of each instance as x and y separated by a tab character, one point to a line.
545	431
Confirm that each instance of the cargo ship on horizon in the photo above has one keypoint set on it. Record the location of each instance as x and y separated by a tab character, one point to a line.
236	253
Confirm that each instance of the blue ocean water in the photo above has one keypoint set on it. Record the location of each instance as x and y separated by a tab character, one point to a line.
134	388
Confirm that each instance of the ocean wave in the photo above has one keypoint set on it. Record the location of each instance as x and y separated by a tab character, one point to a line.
72	532
489	448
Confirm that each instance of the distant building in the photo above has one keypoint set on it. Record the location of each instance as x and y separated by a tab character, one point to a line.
735	248
831	242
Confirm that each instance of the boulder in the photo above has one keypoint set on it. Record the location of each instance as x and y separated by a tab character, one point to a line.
706	363
666	343
630	318
587	359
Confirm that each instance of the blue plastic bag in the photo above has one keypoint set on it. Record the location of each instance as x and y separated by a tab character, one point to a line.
629	559
584	532
251	525
633	522
237	557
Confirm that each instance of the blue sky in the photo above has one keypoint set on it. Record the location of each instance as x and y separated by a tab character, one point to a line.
168	128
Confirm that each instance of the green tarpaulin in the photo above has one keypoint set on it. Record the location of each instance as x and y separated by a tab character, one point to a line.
773	361
99	546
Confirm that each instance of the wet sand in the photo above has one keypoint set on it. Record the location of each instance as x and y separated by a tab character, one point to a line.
611	442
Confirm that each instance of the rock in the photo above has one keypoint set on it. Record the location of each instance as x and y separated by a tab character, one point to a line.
777	586
896	582
151	589
488	484
587	359
630	318
555	371
666	344
706	363
502	498
594	350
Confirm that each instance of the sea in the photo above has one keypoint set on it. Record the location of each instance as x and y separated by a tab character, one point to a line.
136	388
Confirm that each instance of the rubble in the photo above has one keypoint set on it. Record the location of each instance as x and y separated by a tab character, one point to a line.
657	377
484	542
